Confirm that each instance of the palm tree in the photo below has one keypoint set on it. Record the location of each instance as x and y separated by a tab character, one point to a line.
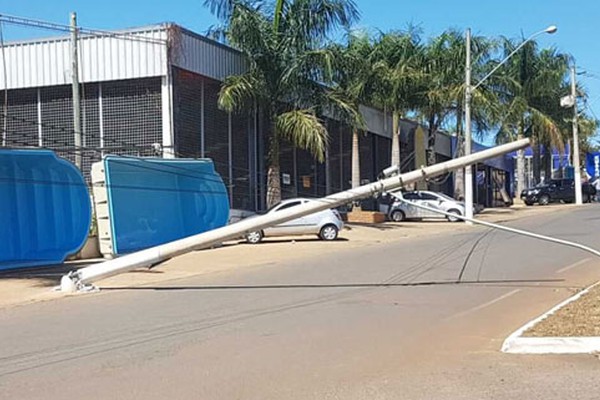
397	60
485	103
352	87
284	44
530	87
444	65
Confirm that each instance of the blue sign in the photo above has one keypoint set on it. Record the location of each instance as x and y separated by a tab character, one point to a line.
593	165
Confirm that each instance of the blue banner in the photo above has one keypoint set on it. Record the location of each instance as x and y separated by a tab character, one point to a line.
593	165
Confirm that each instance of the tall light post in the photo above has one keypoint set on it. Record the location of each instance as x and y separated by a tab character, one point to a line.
571	101
468	175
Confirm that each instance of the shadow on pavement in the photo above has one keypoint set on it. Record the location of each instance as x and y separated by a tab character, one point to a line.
48	275
290	240
521	283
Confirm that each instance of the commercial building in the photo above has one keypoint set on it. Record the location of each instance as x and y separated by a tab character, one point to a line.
153	91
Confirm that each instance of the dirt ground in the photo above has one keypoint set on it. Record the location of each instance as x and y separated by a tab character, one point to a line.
580	318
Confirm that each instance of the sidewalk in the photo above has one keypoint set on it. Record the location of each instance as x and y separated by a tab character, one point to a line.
31	285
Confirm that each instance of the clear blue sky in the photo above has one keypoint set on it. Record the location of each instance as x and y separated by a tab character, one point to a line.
576	21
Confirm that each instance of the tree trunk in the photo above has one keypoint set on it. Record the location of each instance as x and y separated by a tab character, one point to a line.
355	165
520	167
395	138
273	186
547	163
459	174
355	160
273	174
431	158
537	160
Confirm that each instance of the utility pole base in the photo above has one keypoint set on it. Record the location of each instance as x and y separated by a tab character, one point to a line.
68	284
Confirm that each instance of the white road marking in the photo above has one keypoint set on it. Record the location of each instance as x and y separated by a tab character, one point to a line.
574	265
482	306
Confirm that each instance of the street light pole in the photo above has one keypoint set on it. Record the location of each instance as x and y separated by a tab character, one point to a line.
468	175
576	166
75	92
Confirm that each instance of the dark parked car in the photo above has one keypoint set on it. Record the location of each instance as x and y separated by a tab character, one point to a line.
557	190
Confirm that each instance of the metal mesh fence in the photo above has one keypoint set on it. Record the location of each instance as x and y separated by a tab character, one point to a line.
335	155
216	130
383	153
227	138
187	109
90	122
125	117
346	138
132	116
130	121
21	125
240	147
289	179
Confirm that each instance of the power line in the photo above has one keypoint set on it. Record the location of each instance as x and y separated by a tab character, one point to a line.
128	35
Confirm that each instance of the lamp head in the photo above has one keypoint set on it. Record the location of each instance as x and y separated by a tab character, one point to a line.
551	29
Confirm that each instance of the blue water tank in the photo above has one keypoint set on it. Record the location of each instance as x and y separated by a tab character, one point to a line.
152	201
46	209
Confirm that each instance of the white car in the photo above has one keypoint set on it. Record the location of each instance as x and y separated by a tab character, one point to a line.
325	224
399	210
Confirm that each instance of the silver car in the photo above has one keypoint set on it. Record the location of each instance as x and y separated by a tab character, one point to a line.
325	224
399	210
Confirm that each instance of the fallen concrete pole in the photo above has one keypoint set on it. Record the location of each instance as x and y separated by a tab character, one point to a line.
79	279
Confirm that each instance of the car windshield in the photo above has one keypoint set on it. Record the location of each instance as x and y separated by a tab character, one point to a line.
272	207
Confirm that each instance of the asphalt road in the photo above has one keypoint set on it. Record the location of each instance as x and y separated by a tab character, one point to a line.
417	319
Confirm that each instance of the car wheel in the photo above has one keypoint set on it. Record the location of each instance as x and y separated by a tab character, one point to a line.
453	218
544	200
397	216
329	232
254	237
528	203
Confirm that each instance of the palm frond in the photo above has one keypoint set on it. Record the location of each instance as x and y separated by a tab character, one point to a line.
305	130
239	92
345	110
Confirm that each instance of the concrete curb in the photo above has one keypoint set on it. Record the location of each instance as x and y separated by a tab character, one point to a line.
516	344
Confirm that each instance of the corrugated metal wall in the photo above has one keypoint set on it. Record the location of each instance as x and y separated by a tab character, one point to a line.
204	56
137	54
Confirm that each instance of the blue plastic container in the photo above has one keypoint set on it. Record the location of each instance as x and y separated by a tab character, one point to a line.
154	201
45	209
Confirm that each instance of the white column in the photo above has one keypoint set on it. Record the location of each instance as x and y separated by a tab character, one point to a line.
39	118
167	116
230	156
101	118
202	119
